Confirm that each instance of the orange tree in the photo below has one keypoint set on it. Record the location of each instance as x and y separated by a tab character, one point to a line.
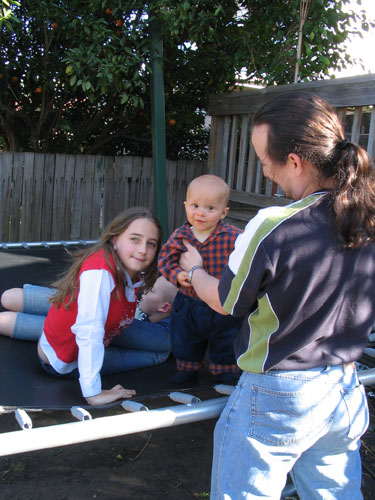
75	75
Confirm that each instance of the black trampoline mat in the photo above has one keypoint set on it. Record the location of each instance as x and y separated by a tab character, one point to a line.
24	384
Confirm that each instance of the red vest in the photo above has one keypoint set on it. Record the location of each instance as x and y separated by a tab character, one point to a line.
57	326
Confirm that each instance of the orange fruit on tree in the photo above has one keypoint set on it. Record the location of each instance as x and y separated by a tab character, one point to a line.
108	11
119	22
38	90
54	25
172	121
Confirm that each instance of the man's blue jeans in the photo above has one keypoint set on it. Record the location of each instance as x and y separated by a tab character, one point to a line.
305	422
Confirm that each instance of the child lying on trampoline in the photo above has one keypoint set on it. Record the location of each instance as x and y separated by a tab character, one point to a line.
95	301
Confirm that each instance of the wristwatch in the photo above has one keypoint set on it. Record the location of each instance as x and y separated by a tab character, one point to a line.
194	268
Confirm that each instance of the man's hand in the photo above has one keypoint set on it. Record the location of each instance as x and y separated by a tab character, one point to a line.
190	258
111	395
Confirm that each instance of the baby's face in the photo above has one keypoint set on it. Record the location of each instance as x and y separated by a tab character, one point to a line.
152	300
204	208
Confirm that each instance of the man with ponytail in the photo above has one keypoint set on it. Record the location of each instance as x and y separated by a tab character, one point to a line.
303	276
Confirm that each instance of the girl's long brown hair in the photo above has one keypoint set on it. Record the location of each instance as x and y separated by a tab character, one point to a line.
305	124
67	285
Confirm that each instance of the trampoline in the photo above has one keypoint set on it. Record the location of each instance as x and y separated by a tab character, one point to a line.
25	387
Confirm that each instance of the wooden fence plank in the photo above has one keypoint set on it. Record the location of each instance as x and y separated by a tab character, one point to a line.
226	174
6	165
244	142
212	150
77	200
215	156
97	197
182	184
172	182
47	197
88	198
146	184
134	192
371	135
230	178
108	189
27	226
251	170
18	202
70	165
356	128
58	215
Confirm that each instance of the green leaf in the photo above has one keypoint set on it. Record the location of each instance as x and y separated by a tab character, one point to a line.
124	98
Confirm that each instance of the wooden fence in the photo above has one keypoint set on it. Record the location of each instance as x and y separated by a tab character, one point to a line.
232	156
66	197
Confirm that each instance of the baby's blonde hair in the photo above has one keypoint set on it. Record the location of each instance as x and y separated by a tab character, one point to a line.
215	182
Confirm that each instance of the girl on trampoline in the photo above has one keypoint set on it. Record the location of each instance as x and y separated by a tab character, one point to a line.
96	299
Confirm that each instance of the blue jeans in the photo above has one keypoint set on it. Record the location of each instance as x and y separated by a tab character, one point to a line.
195	326
139	345
305	422
29	323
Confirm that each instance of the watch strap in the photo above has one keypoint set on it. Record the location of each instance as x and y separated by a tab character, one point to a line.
194	268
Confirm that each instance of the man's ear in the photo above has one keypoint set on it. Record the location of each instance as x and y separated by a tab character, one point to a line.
165	308
295	161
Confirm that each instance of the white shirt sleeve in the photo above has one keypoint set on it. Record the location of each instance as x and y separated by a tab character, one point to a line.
94	297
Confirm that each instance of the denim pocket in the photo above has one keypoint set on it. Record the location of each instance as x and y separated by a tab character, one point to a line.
355	402
283	418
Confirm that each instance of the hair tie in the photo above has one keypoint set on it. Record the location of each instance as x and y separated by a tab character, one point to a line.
341	146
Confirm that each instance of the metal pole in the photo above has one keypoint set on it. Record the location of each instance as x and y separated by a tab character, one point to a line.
106	427
158	127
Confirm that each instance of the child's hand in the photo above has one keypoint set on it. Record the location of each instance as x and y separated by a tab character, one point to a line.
182	279
111	395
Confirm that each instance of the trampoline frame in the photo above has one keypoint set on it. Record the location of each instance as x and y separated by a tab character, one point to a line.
138	417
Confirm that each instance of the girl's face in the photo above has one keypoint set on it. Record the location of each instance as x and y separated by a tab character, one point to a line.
136	246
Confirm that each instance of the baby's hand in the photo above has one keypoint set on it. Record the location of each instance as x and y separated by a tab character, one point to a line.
182	279
111	395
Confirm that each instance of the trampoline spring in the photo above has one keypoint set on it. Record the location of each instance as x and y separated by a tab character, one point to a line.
224	389
23	419
80	413
133	406
183	398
